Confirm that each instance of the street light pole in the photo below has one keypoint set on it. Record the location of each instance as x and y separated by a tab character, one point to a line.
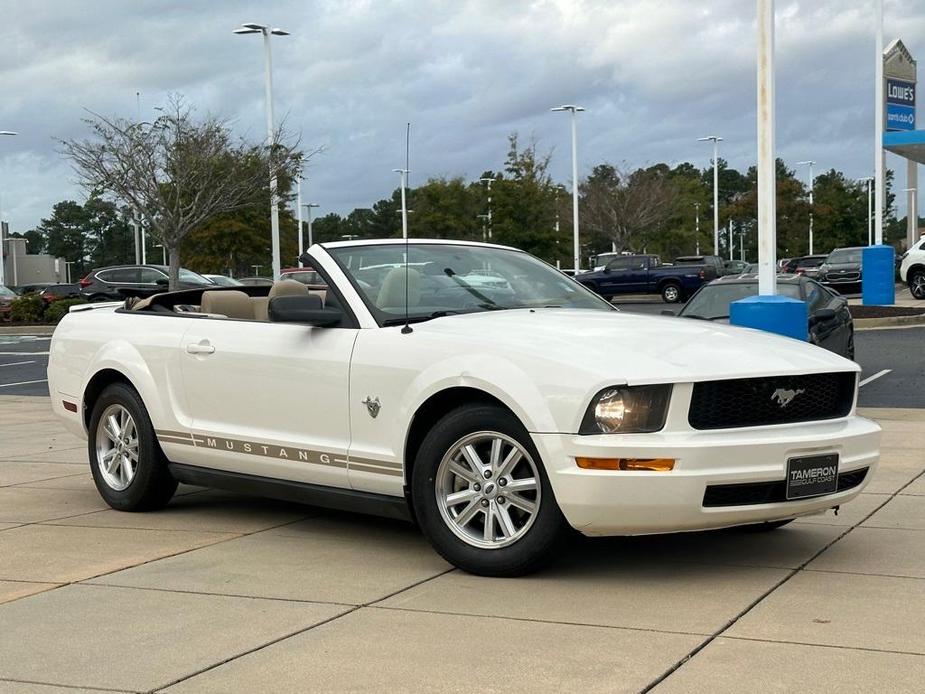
404	206
870	210
267	31
298	209
308	209
697	226
880	188
576	247
488	182
715	139
767	165
2	278
811	179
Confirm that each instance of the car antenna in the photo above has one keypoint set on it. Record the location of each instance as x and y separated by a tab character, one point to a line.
407	329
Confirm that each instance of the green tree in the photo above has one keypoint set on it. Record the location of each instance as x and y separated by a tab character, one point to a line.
447	208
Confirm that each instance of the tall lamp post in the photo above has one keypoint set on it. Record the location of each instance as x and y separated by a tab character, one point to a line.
488	182
266	31
715	139
308	211
2	278
810	163
404	204
574	110
870	210
697	226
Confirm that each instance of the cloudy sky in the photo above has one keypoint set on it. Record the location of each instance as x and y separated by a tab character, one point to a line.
653	74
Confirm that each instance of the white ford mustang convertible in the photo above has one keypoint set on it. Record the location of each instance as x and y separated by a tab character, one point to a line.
470	387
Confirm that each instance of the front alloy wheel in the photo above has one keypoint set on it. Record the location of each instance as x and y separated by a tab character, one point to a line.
117	447
917	284
487	490
481	495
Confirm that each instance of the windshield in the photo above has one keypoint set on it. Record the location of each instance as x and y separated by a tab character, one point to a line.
223	281
448	279
4	291
191	277
844	255
712	302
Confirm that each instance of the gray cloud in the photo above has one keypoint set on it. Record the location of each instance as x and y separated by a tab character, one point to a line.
654	76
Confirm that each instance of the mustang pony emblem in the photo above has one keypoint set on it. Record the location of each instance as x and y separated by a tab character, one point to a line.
372	406
784	396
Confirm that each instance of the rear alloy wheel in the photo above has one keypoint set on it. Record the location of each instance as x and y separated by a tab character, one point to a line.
917	284
481	494
128	466
671	293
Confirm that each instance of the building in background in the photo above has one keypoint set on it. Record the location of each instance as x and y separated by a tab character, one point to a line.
19	267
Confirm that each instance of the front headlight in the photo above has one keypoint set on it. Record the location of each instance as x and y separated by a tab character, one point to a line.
627	410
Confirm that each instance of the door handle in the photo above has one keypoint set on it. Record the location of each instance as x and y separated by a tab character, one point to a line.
202	347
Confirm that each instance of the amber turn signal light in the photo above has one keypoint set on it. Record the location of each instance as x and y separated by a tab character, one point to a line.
648	464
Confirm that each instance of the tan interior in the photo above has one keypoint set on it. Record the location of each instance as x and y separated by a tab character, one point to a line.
228	303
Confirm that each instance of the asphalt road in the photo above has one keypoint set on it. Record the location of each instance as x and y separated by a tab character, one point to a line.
896	351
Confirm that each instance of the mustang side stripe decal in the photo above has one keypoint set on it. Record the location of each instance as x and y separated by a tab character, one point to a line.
270	450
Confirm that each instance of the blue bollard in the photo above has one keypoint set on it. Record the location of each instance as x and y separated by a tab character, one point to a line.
776	314
878	273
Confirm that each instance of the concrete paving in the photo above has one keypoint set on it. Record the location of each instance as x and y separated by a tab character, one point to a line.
226	593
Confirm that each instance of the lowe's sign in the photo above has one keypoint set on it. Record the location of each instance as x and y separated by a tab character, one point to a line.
900	104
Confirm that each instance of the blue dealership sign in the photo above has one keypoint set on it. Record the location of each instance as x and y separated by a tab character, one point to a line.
900	117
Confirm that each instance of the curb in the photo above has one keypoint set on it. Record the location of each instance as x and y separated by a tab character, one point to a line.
889	322
26	329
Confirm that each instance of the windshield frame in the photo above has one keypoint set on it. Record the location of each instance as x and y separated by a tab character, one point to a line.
386	320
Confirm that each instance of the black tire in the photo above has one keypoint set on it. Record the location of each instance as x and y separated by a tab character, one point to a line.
152	485
536	547
766	527
917	283
671	293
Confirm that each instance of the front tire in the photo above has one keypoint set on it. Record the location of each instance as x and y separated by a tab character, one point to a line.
128	466
917	283
481	494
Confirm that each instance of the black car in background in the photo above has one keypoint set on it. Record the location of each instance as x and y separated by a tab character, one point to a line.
830	325
119	282
841	270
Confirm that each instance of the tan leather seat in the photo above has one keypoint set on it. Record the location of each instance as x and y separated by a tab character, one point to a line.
229	303
392	293
280	288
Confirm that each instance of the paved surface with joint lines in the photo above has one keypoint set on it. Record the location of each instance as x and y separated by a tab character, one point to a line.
226	593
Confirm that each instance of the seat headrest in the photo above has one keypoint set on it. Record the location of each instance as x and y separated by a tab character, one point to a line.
392	293
287	288
227	302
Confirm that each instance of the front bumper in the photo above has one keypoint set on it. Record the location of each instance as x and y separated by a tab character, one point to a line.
599	502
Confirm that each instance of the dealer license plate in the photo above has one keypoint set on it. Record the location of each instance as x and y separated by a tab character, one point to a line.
812	475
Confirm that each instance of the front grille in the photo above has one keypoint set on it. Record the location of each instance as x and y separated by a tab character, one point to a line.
843	277
767	492
749	402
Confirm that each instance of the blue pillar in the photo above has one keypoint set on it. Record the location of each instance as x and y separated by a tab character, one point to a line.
776	314
878	276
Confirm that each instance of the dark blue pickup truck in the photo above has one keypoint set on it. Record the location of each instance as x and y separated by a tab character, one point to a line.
644	274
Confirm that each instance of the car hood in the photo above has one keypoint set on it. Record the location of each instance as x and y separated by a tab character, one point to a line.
630	348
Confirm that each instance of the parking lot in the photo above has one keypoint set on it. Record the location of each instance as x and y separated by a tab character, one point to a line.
224	593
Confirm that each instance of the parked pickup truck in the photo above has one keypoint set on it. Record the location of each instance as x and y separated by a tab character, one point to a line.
644	274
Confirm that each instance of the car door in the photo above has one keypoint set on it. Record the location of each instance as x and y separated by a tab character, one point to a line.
616	277
268	399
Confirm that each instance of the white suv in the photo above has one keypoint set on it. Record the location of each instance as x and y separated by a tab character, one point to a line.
912	269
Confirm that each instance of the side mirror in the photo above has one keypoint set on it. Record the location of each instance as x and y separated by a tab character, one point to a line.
162	281
305	259
305	308
606	270
823	314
